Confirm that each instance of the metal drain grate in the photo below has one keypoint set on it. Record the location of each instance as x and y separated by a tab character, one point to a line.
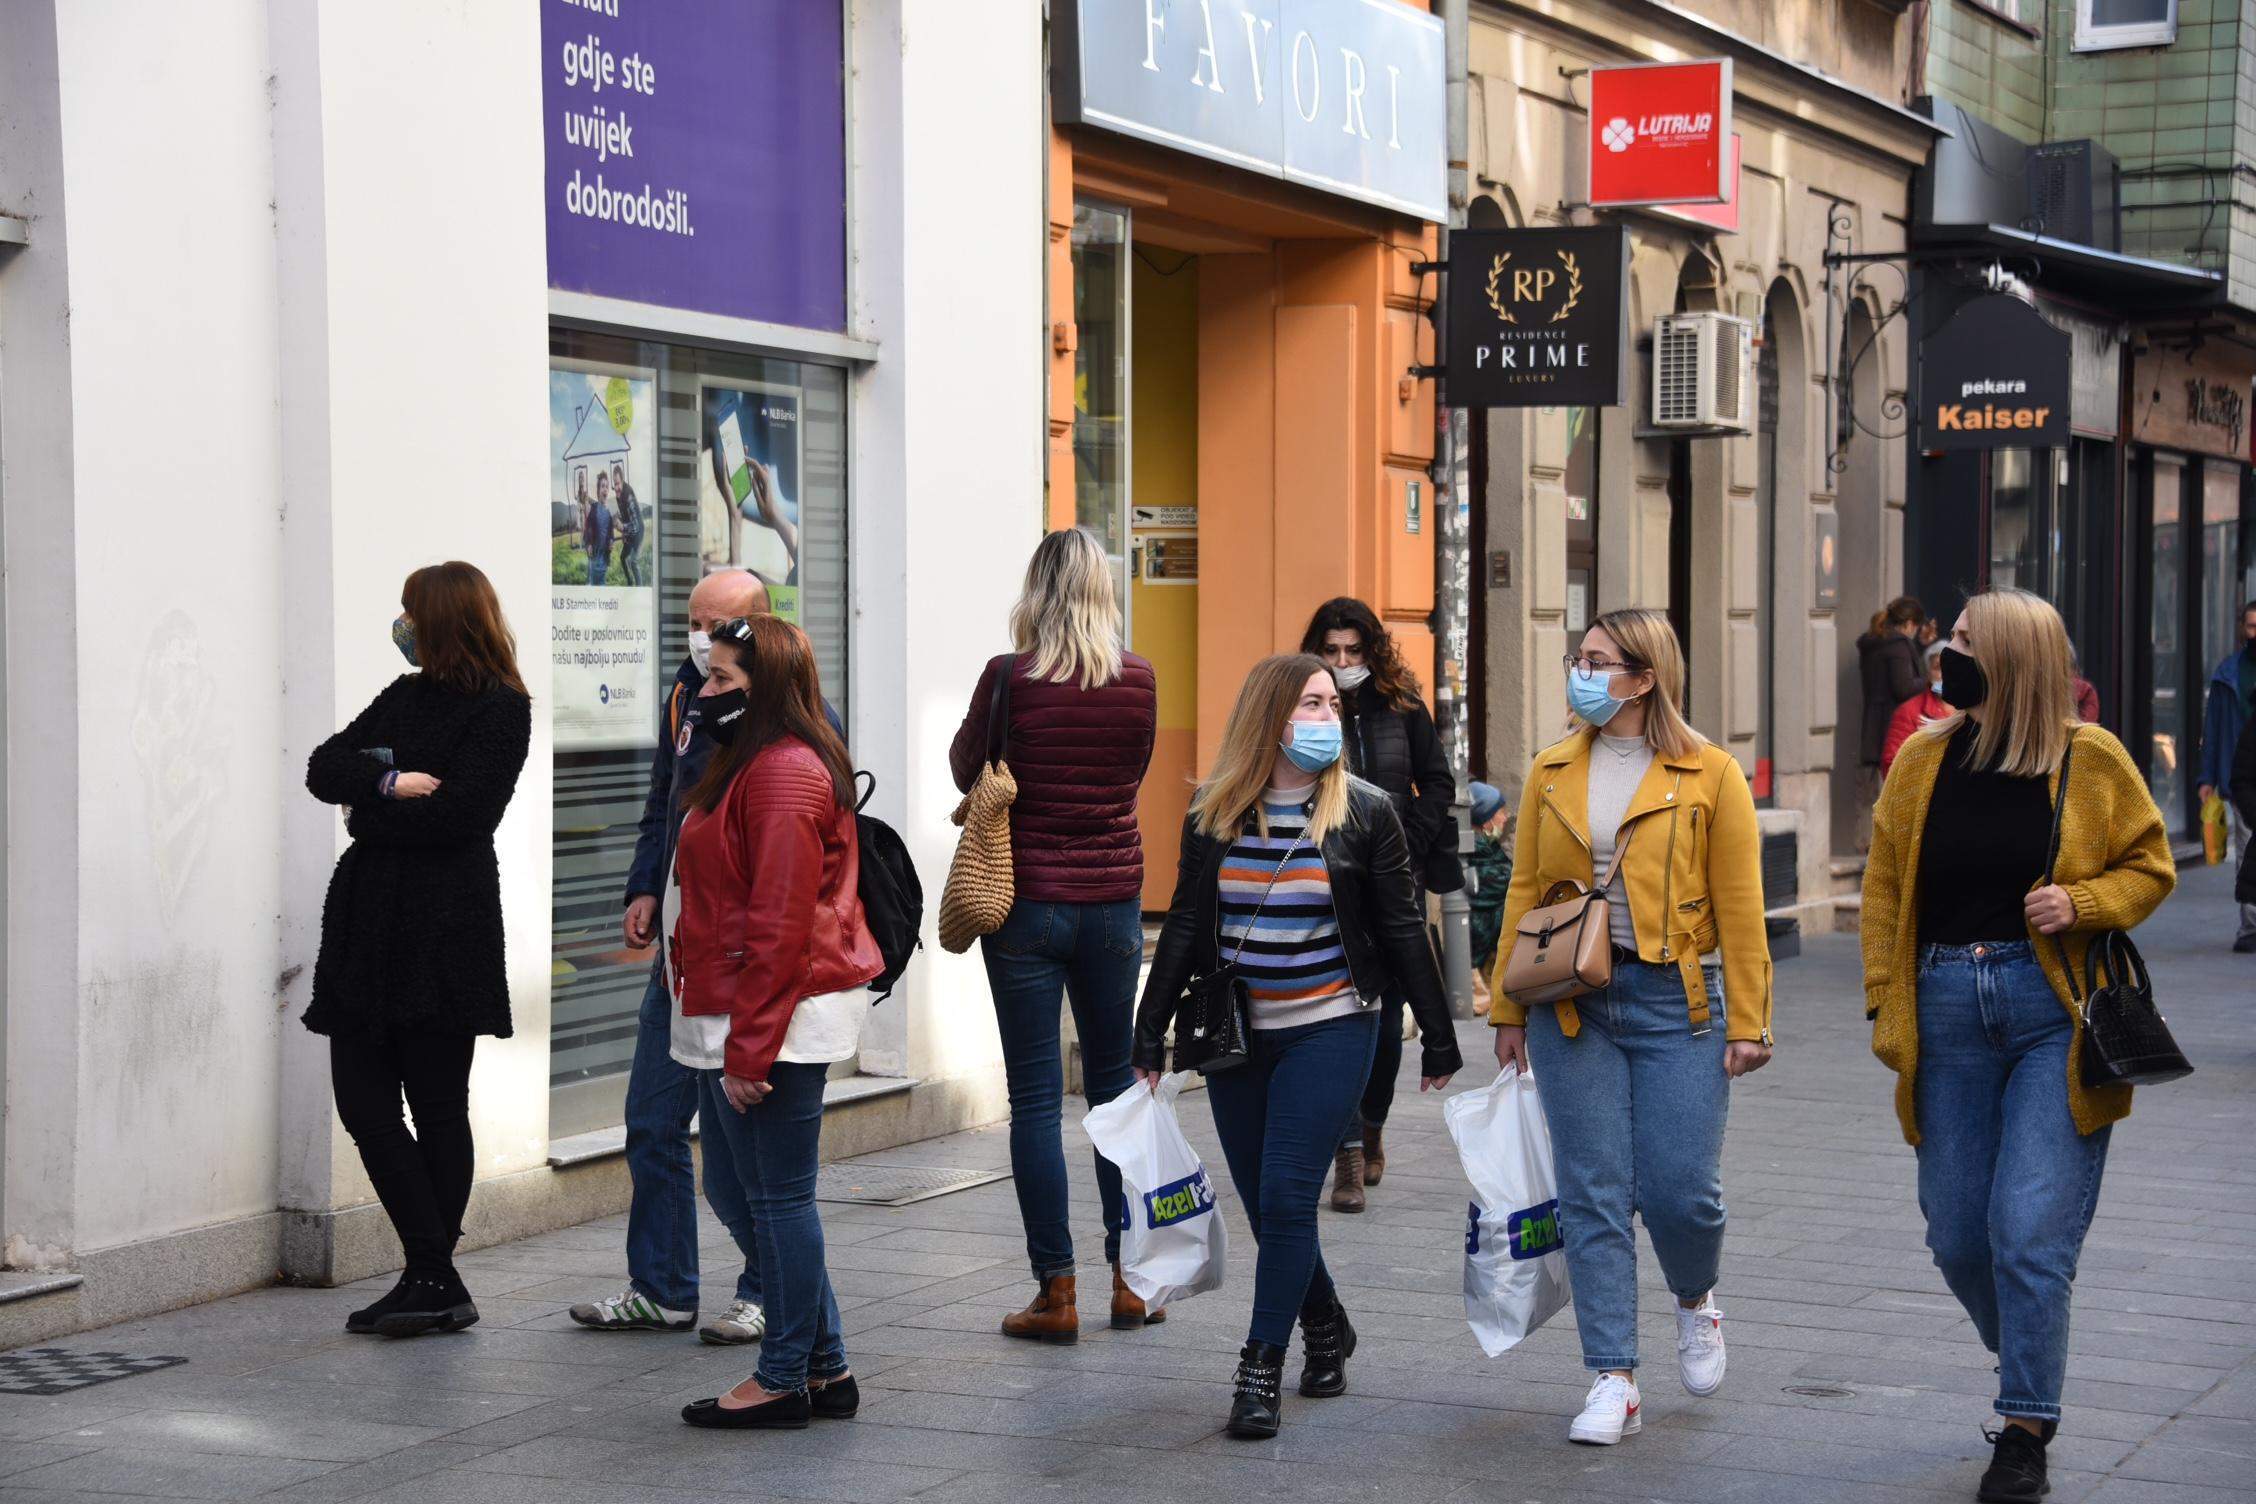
51	1370
896	1185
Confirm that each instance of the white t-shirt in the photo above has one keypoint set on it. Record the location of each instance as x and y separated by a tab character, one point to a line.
1617	767
823	1029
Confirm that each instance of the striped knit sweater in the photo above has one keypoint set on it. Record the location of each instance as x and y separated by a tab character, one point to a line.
1291	958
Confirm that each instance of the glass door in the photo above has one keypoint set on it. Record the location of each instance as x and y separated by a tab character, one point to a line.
2171	746
1100	382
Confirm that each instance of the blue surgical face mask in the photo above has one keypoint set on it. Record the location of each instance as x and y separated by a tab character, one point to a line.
1588	696
1313	745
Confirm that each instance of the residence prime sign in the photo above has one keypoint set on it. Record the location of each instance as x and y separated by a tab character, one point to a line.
1345	96
1537	318
1995	377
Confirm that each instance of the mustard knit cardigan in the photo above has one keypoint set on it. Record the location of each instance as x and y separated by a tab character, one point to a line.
2114	862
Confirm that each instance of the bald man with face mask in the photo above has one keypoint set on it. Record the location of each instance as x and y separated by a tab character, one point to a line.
662	1289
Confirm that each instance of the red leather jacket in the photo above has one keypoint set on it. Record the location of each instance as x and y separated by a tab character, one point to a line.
771	913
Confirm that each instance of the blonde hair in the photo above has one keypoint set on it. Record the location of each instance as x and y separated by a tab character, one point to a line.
1649	641
2030	712
1067	619
1248	755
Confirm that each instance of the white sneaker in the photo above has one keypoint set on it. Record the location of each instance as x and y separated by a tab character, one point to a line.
1609	1414
744	1322
630	1311
1699	1346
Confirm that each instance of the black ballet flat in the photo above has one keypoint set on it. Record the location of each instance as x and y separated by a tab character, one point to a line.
789	1412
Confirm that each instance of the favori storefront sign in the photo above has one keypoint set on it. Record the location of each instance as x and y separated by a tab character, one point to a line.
1660	133
1536	317
1994	377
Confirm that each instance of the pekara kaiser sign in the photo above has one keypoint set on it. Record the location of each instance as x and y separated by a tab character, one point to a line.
1660	133
1537	318
1994	377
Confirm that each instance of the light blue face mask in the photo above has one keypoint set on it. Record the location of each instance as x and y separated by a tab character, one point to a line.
1588	697
1314	745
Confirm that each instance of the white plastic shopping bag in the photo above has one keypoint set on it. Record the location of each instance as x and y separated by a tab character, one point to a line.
1515	1260
1173	1242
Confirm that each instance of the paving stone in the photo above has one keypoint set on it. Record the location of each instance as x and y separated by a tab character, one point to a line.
171	1474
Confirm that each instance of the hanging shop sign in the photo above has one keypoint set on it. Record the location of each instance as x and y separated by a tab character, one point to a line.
2192	399
1344	96
1660	133
1536	317
696	156
1723	216
1994	377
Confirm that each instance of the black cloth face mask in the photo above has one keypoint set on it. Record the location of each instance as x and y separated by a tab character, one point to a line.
1964	684
721	714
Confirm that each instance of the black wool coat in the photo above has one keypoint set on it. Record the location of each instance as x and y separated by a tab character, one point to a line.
1401	752
411	934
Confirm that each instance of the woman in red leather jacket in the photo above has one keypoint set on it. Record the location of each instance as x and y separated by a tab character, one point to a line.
768	962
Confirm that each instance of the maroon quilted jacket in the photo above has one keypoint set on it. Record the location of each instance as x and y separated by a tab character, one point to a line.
1079	756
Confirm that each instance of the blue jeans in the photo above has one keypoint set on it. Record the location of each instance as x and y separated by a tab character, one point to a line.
2005	1181
772	1149
1280	1116
1635	1103
1090	953
662	1218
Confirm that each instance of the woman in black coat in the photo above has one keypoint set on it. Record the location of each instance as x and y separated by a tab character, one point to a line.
410	971
1390	741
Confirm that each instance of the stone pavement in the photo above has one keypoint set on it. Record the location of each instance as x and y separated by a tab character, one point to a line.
1853	1375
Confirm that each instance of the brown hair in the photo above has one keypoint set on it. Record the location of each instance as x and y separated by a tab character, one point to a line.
785	699
1248	754
461	638
1903	611
1390	676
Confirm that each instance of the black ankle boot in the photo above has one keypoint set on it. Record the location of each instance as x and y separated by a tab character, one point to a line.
363	1321
2017	1469
436	1302
1326	1343
1260	1382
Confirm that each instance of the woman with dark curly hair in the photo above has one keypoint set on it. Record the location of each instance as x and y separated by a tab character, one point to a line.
1390	741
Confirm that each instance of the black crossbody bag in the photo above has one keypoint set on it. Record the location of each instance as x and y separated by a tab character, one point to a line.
1212	1033
2126	1040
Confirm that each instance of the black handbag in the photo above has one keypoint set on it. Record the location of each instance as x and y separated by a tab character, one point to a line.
1210	1034
2126	1041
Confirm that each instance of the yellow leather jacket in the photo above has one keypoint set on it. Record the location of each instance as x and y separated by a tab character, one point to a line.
1693	876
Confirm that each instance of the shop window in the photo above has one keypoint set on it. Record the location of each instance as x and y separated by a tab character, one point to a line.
1581	482
2221	592
2172	708
2020	554
1100	376
2102	24
665	463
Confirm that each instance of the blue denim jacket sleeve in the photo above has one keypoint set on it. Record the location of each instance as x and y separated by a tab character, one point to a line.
647	874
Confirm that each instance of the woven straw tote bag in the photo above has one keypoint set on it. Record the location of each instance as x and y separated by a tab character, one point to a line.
982	884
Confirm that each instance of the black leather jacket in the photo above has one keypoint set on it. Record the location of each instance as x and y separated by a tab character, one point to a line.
1382	929
1400	751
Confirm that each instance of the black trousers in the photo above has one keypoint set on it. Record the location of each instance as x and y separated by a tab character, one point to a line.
421	1177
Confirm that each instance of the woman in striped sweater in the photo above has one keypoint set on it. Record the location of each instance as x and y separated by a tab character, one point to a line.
1300	875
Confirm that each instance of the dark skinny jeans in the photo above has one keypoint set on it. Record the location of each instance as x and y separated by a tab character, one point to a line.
423	1177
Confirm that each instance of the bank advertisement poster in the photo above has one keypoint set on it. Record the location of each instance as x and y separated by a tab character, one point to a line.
749	477
695	154
603	553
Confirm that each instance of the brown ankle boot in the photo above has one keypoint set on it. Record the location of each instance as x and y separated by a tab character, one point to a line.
1374	1153
1347	1181
1052	1317
1128	1309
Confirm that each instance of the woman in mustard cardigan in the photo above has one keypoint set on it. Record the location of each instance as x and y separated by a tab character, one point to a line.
1965	952
1636	1079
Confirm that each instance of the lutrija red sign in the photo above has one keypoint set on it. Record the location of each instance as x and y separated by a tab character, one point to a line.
1660	133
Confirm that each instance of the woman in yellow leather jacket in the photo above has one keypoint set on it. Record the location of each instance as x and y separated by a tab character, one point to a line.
1636	1078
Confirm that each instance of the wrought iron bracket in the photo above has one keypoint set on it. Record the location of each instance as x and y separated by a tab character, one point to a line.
1847	274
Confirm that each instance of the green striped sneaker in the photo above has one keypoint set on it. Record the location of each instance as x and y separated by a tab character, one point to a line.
632	1311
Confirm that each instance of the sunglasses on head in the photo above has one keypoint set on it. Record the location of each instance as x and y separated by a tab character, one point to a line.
737	630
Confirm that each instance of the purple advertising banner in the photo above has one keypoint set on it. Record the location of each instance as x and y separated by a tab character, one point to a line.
697	154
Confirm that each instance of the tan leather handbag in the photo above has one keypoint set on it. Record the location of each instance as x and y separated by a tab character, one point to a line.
982	883
1565	947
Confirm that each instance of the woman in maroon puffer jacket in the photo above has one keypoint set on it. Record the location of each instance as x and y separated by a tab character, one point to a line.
1082	711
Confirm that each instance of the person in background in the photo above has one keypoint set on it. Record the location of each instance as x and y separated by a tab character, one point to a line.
1636	1078
1391	742
2244	804
662	1095
1928	705
1083	714
2086	693
1968	950
769	956
1301	875
410	970
602	527
629	507
1888	659
2230	703
1491	876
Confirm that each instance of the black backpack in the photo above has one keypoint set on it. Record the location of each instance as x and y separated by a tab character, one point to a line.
892	897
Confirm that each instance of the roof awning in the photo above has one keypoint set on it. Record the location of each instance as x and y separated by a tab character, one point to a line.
2109	279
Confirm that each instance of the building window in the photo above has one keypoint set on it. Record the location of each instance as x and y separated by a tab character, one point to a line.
2103	24
1100	376
666	463
1581	483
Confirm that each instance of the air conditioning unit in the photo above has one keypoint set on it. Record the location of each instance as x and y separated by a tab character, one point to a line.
2075	193
1704	373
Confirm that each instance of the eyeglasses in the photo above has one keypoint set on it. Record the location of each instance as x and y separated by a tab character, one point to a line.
1577	663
